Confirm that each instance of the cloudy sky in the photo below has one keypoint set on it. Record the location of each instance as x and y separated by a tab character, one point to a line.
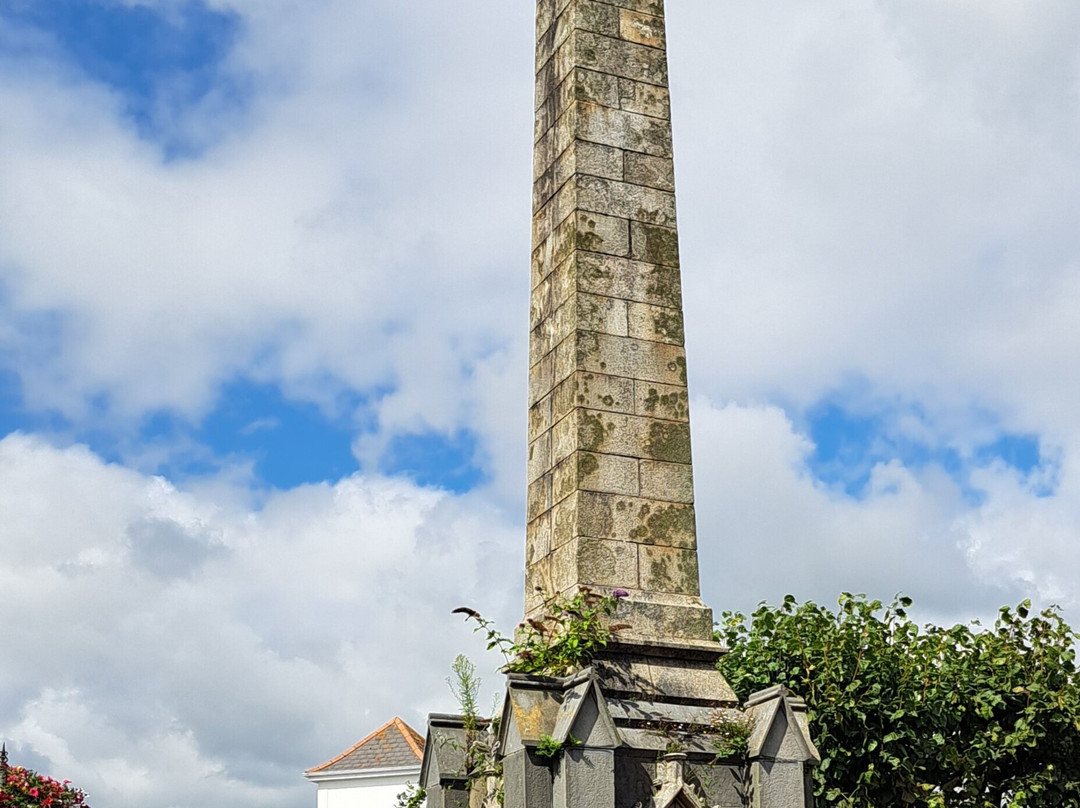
263	311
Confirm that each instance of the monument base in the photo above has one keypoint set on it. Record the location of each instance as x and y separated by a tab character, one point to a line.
649	724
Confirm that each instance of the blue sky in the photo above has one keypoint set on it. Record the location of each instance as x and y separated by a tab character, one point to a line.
263	306
164	63
161	64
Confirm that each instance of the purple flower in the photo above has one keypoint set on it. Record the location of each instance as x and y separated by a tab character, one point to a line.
620	593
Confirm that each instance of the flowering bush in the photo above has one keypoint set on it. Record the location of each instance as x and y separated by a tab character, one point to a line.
23	788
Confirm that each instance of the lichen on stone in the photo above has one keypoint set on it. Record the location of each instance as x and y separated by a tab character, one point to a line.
668	440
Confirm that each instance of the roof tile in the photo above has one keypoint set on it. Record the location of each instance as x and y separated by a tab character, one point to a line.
394	744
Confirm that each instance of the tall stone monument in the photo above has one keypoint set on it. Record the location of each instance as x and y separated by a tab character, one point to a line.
611	496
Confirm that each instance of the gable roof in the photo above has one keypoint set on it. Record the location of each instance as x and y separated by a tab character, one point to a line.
393	745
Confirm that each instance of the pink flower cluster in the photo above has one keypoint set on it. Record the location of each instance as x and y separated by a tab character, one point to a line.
24	788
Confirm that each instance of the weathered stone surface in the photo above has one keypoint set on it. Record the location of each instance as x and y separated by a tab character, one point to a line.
610	485
613	127
668	401
670	482
669	569
591	232
587	85
541	378
654	244
625	200
540	417
692	621
591	471
606	563
538	538
585	778
645	29
539	496
539	456
619	434
613	276
538	583
668	441
605	315
679	679
641	359
646	99
584	231
655	323
599	314
639	520
595	391
616	57
645	169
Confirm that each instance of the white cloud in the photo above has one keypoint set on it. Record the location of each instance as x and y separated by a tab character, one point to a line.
882	190
336	237
260	644
875	191
767	527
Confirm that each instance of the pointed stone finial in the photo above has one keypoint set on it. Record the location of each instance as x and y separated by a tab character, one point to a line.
672	790
670	770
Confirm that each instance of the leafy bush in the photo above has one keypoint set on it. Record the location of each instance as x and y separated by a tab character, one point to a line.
961	717
412	797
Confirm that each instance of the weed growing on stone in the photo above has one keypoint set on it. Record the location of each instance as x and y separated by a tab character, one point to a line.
729	733
564	640
548	747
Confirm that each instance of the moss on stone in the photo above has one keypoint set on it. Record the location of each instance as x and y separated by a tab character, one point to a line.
651	400
588	344
587	464
669	325
663	287
657	245
591	432
668	440
661	573
672	526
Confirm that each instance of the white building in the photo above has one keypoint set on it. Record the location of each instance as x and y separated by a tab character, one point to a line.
373	772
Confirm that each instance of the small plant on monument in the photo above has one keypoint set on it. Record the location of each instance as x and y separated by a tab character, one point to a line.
548	747
412	797
465	685
564	640
729	733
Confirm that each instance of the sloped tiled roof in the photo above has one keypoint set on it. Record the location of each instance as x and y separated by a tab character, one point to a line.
393	745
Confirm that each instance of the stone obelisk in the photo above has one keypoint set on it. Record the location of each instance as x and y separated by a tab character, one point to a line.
611	494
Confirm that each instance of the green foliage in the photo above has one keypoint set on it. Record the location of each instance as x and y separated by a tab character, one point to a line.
563	641
548	747
729	733
465	685
412	797
479	732
961	717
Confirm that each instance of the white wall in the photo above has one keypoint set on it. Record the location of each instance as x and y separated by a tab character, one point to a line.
366	792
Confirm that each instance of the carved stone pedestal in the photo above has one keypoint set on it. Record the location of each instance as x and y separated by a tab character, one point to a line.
642	727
